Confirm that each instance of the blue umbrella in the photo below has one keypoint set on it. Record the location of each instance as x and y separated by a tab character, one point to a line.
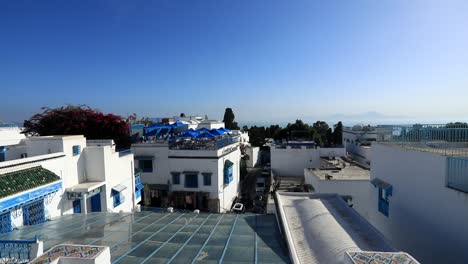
206	135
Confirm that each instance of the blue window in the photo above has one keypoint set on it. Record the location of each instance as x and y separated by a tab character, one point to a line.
33	213
5	223
191	180
207	178
228	171
117	195
76	150
175	177
383	201
146	165
138	187
77	206
2	153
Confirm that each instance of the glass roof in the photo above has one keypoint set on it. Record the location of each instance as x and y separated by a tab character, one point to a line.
160	237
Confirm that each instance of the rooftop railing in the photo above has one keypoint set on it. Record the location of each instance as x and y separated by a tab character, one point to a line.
16	251
204	143
447	139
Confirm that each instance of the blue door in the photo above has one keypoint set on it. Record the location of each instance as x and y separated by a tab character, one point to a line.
33	213
77	206
96	203
5	223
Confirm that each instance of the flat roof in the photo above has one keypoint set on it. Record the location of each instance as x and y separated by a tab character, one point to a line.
322	228
162	237
340	169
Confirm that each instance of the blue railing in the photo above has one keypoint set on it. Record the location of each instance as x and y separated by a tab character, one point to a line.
125	152
16	251
457	173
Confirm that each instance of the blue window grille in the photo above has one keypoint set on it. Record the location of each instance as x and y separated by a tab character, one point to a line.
5	223
191	180
76	150
207	178
175	177
16	251
228	171
145	165
33	213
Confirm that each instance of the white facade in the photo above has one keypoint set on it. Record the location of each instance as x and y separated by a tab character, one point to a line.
82	170
290	161
425	217
358	141
253	154
351	181
165	162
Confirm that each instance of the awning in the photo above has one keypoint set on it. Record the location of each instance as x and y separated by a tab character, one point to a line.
228	163
381	184
140	186
118	188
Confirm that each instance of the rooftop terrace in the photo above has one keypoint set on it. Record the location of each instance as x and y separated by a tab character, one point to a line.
340	169
445	139
160	237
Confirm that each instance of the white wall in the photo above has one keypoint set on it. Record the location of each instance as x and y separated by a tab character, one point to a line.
332	152
227	193
254	157
119	171
357	189
10	136
292	162
160	152
426	219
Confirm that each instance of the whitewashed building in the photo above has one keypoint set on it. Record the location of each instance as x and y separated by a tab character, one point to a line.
189	172
358	141
290	159
57	175
343	177
420	192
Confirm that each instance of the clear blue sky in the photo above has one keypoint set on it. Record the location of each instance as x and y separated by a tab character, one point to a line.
269	60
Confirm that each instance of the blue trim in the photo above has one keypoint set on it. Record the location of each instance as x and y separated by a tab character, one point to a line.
195	259
383	204
139	186
228	240
27	197
76	150
118	198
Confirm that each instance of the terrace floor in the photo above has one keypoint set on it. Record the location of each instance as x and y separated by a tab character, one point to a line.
160	237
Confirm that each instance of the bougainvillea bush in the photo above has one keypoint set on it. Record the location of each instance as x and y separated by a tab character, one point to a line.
79	120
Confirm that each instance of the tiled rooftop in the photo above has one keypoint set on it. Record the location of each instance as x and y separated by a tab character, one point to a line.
22	180
160	237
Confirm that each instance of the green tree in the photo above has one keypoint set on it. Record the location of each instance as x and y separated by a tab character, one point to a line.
228	119
338	134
